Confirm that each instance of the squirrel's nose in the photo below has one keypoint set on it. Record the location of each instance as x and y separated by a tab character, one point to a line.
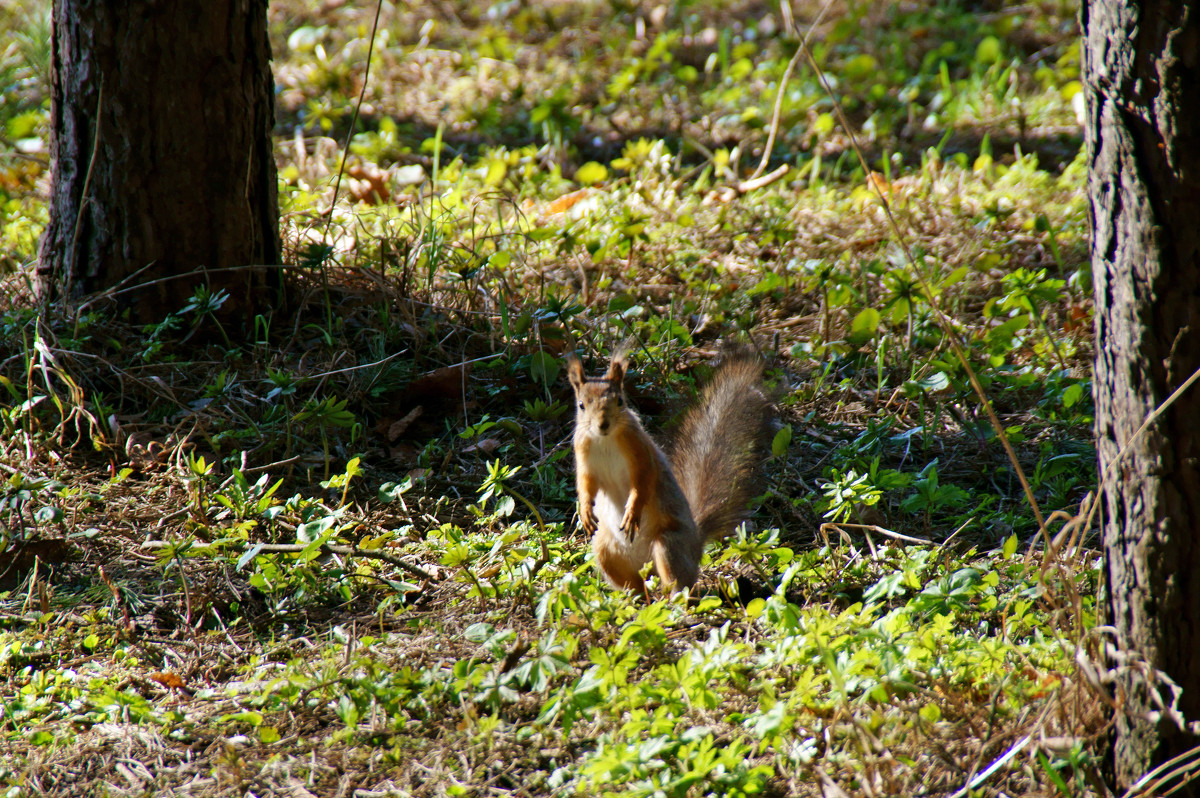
604	426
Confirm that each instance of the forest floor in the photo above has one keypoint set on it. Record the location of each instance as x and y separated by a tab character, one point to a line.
337	554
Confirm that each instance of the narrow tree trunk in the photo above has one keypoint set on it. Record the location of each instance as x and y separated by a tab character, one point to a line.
1142	73
162	157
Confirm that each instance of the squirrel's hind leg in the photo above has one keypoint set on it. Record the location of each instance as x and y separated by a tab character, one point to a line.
616	566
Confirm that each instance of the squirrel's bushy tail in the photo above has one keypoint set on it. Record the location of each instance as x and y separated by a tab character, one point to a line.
721	444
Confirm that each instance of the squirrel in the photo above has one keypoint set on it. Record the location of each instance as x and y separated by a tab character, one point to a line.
638	503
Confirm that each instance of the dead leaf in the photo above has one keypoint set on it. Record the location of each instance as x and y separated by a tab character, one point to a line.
368	183
879	183
171	681
486	445
568	201
397	428
439	386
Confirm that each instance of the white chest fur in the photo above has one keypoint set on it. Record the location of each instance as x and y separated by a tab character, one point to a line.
608	464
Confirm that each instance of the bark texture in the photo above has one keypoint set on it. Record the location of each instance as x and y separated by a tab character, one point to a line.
161	152
1142	77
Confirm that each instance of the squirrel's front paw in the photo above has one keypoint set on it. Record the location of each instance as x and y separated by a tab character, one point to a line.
587	518
629	524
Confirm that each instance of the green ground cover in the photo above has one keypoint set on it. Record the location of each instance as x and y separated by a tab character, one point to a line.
337	554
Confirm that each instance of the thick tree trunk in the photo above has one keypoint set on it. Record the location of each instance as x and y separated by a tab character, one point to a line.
162	155
1142	73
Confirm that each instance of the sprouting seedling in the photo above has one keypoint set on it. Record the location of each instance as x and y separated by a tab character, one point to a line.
198	471
206	302
343	480
905	294
1028	292
329	412
496	484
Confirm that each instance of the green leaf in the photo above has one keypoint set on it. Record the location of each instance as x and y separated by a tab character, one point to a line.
771	721
988	51
781	441
1053	774
23	125
1072	394
48	514
1010	547
541	233
391	491
250	554
347	711
1003	333
619	303
864	326
769	282
248	717
497	170
953	277
860	67
591	173
543	367
479	632
938	381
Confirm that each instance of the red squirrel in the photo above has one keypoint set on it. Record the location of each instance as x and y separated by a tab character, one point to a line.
640	504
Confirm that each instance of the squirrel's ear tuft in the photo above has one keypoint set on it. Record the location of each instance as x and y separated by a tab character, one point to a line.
619	363
616	372
616	368
575	372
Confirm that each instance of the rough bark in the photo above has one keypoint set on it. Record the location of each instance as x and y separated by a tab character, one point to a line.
1142	77
161	152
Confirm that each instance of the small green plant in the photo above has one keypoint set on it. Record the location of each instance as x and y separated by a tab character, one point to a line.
326	414
762	551
844	493
541	412
930	497
197	476
18	504
343	480
205	303
244	499
1028	294
157	336
498	484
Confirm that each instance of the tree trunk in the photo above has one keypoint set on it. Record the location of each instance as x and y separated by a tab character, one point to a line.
163	171
1142	77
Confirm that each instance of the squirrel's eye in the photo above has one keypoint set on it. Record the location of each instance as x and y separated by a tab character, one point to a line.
581	405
